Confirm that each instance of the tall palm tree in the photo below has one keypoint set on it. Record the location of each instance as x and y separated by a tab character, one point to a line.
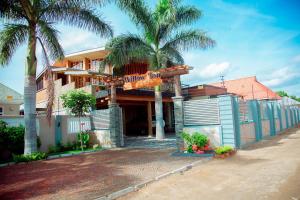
163	36
33	21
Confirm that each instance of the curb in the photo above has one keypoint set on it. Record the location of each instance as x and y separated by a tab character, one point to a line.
139	186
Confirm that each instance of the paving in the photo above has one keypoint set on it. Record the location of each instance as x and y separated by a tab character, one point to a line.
87	176
266	170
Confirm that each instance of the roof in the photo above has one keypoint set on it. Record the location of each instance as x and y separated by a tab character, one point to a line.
9	96
248	88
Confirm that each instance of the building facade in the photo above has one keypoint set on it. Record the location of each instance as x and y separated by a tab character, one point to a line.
10	101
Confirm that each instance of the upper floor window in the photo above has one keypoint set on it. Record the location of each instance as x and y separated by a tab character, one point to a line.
96	65
1	111
77	65
39	84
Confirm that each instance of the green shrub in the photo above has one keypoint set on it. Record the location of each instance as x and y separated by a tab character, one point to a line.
28	158
222	150
12	141
195	139
85	138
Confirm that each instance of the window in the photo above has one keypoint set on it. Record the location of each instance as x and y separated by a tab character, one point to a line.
1	111
96	66
39	84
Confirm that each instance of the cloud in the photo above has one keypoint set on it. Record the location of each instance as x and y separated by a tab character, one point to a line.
214	70
283	77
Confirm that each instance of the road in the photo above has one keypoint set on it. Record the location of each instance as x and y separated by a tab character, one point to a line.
267	170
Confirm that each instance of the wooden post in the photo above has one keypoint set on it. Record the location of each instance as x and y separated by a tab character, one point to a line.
149	113
113	96
177	85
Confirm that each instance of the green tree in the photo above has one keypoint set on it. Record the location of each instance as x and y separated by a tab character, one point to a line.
33	21
78	102
163	36
282	93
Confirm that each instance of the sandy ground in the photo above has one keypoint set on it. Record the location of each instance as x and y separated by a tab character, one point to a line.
267	170
86	176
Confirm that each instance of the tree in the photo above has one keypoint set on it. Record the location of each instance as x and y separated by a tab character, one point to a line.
160	42
282	94
33	21
78	102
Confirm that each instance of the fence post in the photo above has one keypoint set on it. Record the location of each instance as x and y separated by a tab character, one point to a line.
279	116
256	115
287	117
270	107
229	120
178	114
114	125
58	136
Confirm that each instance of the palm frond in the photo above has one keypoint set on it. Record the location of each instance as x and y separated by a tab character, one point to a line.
11	10
126	48
173	55
49	39
186	15
140	14
74	14
11	37
186	40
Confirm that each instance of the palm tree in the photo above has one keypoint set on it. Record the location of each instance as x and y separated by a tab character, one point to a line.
163	36
33	21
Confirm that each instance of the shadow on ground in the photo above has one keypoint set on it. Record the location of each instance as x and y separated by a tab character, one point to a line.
86	176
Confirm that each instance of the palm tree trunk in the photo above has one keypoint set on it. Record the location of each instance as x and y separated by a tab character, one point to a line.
30	136
160	132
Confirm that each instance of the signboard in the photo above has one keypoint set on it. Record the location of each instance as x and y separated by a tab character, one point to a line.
135	81
9	98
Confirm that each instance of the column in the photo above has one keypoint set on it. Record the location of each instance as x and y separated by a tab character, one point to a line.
229	121
177	85
178	113
114	125
149	117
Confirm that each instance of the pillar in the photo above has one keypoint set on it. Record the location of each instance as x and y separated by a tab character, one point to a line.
114	124
178	114
149	117
229	121
113	94
177	85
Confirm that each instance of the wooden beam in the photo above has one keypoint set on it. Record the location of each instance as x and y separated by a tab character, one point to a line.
149	117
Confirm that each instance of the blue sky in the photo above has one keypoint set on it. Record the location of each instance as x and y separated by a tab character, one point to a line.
254	37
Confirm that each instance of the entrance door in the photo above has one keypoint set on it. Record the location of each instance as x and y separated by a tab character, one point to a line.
135	119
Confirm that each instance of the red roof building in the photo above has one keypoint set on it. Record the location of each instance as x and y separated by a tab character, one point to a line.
248	88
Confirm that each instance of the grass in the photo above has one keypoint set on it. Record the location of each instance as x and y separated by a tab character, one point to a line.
76	151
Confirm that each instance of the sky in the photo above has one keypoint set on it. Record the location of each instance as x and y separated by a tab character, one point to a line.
254	38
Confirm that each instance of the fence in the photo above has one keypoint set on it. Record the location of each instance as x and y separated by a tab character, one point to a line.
228	120
106	126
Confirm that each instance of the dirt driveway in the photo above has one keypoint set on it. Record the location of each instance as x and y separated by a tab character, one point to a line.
268	170
86	176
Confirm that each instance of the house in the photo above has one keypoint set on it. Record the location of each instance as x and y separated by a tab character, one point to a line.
83	70
248	88
10	101
203	91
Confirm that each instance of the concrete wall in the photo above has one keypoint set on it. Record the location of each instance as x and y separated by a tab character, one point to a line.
10	109
247	133
265	128
213	132
46	133
101	137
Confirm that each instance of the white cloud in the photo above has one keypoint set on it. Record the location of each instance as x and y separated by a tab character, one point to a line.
214	70
280	77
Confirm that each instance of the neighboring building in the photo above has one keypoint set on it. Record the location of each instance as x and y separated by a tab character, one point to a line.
248	88
10	101
203	91
289	102
81	71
